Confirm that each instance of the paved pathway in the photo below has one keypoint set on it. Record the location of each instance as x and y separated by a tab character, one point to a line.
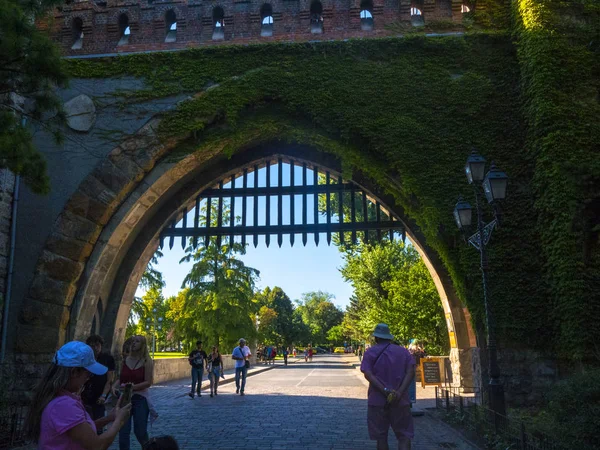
318	405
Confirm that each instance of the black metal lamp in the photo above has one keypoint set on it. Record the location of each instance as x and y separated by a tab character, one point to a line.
475	167
495	184
463	214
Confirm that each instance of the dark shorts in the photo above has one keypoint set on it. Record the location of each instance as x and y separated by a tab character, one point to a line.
398	417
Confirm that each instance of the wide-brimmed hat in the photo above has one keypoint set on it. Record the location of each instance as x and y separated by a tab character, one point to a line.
78	354
382	331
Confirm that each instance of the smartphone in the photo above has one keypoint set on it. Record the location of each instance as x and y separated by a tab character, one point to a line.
126	394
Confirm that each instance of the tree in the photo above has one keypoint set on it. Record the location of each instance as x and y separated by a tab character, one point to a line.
336	335
151	305
220	295
282	330
30	71
319	313
393	285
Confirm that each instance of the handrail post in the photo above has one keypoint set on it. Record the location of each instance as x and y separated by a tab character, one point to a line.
447	400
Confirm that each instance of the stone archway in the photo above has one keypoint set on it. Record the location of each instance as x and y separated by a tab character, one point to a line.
108	231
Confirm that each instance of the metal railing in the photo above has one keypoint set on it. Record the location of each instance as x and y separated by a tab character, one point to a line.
12	422
483	424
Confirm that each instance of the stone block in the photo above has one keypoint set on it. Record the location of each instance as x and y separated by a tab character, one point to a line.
80	112
59	267
74	226
83	205
39	339
35	312
113	178
69	247
50	290
124	162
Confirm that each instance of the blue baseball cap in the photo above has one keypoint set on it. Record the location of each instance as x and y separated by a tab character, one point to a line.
78	354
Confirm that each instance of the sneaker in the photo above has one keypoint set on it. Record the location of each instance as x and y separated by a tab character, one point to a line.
211	394
237	391
215	392
242	393
191	394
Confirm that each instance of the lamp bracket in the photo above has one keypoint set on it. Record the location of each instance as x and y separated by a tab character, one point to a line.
475	240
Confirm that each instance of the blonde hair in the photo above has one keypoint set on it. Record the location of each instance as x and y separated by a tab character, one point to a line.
53	382
144	353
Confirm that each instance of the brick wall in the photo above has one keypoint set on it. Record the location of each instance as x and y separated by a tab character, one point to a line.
103	22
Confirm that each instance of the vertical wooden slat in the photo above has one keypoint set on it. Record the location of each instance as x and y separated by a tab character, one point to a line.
196	220
208	208
220	215
366	215
316	202
378	212
232	215
184	237
244	185
172	238
391	230
341	209
255	237
162	241
268	205
328	206
353	212
304	205
279	201
292	202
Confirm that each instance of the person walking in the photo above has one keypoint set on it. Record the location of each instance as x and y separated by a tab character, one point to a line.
286	352
305	354
97	390
197	360
57	418
310	352
214	369
240	354
360	353
137	371
389	369
417	353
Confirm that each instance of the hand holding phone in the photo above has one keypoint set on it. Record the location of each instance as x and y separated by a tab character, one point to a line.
126	395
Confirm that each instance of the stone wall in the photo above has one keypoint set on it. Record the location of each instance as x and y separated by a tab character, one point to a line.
168	369
103	23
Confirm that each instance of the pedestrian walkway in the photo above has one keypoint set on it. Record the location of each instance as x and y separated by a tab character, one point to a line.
318	405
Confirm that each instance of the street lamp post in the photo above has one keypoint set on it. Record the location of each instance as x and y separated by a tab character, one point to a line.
152	324
494	187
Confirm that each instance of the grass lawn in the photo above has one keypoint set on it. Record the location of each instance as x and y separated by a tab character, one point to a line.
162	355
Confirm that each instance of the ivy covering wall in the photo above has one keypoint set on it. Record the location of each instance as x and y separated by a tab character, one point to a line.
407	112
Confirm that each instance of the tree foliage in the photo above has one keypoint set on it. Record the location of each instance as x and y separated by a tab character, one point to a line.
30	71
277	325
319	314
393	285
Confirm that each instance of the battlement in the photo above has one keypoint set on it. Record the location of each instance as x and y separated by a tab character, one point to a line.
121	26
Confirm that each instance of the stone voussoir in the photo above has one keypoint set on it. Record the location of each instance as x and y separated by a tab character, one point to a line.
36	312
59	267
37	339
75	226
114	178
67	247
45	288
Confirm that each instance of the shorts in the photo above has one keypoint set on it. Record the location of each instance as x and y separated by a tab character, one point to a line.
399	417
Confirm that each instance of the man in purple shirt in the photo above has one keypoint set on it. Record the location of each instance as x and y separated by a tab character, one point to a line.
389	369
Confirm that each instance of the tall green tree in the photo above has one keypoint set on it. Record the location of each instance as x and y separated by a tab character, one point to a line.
282	330
220	294
319	313
392	285
31	69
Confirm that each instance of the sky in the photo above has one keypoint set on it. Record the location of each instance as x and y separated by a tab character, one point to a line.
296	269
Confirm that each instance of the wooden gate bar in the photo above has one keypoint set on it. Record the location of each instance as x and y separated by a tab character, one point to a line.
196	221
292	202
304	205
268	203
232	214
220	214
341	207
280	201
244	198
316	204
353	213
328	206
208	219
255	219
184	226
365	215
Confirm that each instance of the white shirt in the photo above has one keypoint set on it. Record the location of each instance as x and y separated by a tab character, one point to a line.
241	352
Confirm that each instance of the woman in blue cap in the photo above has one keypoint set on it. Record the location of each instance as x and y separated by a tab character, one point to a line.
57	418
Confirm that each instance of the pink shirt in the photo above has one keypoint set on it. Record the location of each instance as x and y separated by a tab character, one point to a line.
389	369
62	413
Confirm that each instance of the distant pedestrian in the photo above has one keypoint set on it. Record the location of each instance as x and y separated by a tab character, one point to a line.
57	418
360	353
273	354
305	354
295	352
389	369
417	353
310	353
214	369
240	354
162	443
197	360
286	352
97	390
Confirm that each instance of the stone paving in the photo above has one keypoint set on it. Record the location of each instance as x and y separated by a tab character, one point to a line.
318	405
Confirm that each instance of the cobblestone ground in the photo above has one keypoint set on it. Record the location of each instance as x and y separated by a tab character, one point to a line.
318	405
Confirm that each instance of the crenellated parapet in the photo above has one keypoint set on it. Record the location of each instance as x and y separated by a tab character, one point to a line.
116	26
